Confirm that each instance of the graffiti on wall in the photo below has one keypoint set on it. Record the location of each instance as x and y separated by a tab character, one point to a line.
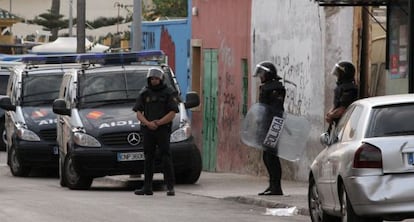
296	77
230	105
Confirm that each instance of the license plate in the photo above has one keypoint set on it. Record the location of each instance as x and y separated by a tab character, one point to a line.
55	150
131	156
410	158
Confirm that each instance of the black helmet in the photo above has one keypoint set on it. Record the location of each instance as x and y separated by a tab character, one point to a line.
267	70
155	72
344	70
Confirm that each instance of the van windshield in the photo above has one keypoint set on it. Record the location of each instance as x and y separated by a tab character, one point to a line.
40	89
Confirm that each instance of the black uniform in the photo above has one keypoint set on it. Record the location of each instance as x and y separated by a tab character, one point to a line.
345	93
273	94
155	102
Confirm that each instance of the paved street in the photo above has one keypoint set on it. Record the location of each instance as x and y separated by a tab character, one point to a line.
40	198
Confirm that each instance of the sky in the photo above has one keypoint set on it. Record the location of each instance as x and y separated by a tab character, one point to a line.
28	9
94	8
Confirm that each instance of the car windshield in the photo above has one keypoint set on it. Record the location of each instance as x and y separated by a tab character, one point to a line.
40	88
111	87
393	120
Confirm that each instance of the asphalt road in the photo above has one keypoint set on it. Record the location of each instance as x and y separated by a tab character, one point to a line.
39	197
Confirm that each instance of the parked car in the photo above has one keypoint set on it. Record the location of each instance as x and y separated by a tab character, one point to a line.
98	134
366	170
5	68
30	124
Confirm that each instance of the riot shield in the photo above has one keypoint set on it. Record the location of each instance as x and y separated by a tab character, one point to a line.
290	133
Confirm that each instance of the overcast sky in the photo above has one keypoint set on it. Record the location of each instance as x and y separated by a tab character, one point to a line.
28	9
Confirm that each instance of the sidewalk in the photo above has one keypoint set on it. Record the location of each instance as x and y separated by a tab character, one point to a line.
240	188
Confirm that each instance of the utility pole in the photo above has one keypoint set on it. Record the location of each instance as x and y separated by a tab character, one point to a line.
136	26
80	27
70	18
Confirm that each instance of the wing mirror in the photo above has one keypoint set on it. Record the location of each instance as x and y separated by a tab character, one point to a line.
324	138
5	103
59	107
191	100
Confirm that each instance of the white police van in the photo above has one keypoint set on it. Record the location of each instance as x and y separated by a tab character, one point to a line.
30	124
98	133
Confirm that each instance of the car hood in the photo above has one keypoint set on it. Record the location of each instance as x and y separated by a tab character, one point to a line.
39	118
110	119
395	152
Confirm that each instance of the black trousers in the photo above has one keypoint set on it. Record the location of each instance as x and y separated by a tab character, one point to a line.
274	169
158	139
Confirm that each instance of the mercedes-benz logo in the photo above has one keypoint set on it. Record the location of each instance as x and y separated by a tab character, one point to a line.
134	139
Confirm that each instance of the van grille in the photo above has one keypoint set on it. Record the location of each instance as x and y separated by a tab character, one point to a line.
48	134
119	138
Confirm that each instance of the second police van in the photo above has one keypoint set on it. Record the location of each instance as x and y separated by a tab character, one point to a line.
98	134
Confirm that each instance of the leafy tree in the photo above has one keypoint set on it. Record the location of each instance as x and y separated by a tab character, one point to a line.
167	8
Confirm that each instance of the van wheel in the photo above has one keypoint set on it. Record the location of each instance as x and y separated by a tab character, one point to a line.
3	140
16	166
72	178
61	172
192	173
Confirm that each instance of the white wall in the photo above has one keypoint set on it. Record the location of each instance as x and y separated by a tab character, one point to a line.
303	44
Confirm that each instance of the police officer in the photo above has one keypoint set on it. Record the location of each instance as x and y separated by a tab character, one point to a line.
272	93
345	93
156	107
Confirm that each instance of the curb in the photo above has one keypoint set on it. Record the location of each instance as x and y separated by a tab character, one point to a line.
266	203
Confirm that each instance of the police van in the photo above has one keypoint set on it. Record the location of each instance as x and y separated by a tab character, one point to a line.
98	133
30	124
5	67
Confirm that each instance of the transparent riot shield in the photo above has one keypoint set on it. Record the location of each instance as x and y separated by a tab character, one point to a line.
262	131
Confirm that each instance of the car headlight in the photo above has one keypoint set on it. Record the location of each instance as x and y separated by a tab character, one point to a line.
182	133
83	139
28	135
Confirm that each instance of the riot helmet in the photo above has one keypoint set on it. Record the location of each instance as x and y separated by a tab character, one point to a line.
266	71
155	72
344	71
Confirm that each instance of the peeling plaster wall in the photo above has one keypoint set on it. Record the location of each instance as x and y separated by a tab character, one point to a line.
304	41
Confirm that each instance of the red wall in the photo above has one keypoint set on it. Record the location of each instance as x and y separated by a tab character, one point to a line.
225	25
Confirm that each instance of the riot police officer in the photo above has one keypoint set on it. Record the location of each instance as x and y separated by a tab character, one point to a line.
156	107
272	93
345	93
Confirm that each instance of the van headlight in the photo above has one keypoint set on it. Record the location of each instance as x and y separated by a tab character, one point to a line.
83	139
28	135
181	134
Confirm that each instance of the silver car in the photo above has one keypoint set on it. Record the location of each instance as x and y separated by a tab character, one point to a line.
366	170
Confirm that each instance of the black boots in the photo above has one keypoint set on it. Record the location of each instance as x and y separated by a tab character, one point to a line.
143	191
270	191
171	192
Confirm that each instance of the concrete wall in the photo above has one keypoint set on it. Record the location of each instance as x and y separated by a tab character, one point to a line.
304	41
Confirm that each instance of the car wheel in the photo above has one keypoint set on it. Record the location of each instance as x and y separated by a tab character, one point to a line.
191	174
61	172
316	212
3	140
72	178
16	166
347	211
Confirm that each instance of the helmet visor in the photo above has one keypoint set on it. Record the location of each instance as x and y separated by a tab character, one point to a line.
337	70
260	70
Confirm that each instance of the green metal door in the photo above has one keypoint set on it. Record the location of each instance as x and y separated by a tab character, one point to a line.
210	110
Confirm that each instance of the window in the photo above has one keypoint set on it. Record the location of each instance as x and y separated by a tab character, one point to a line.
351	126
393	120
